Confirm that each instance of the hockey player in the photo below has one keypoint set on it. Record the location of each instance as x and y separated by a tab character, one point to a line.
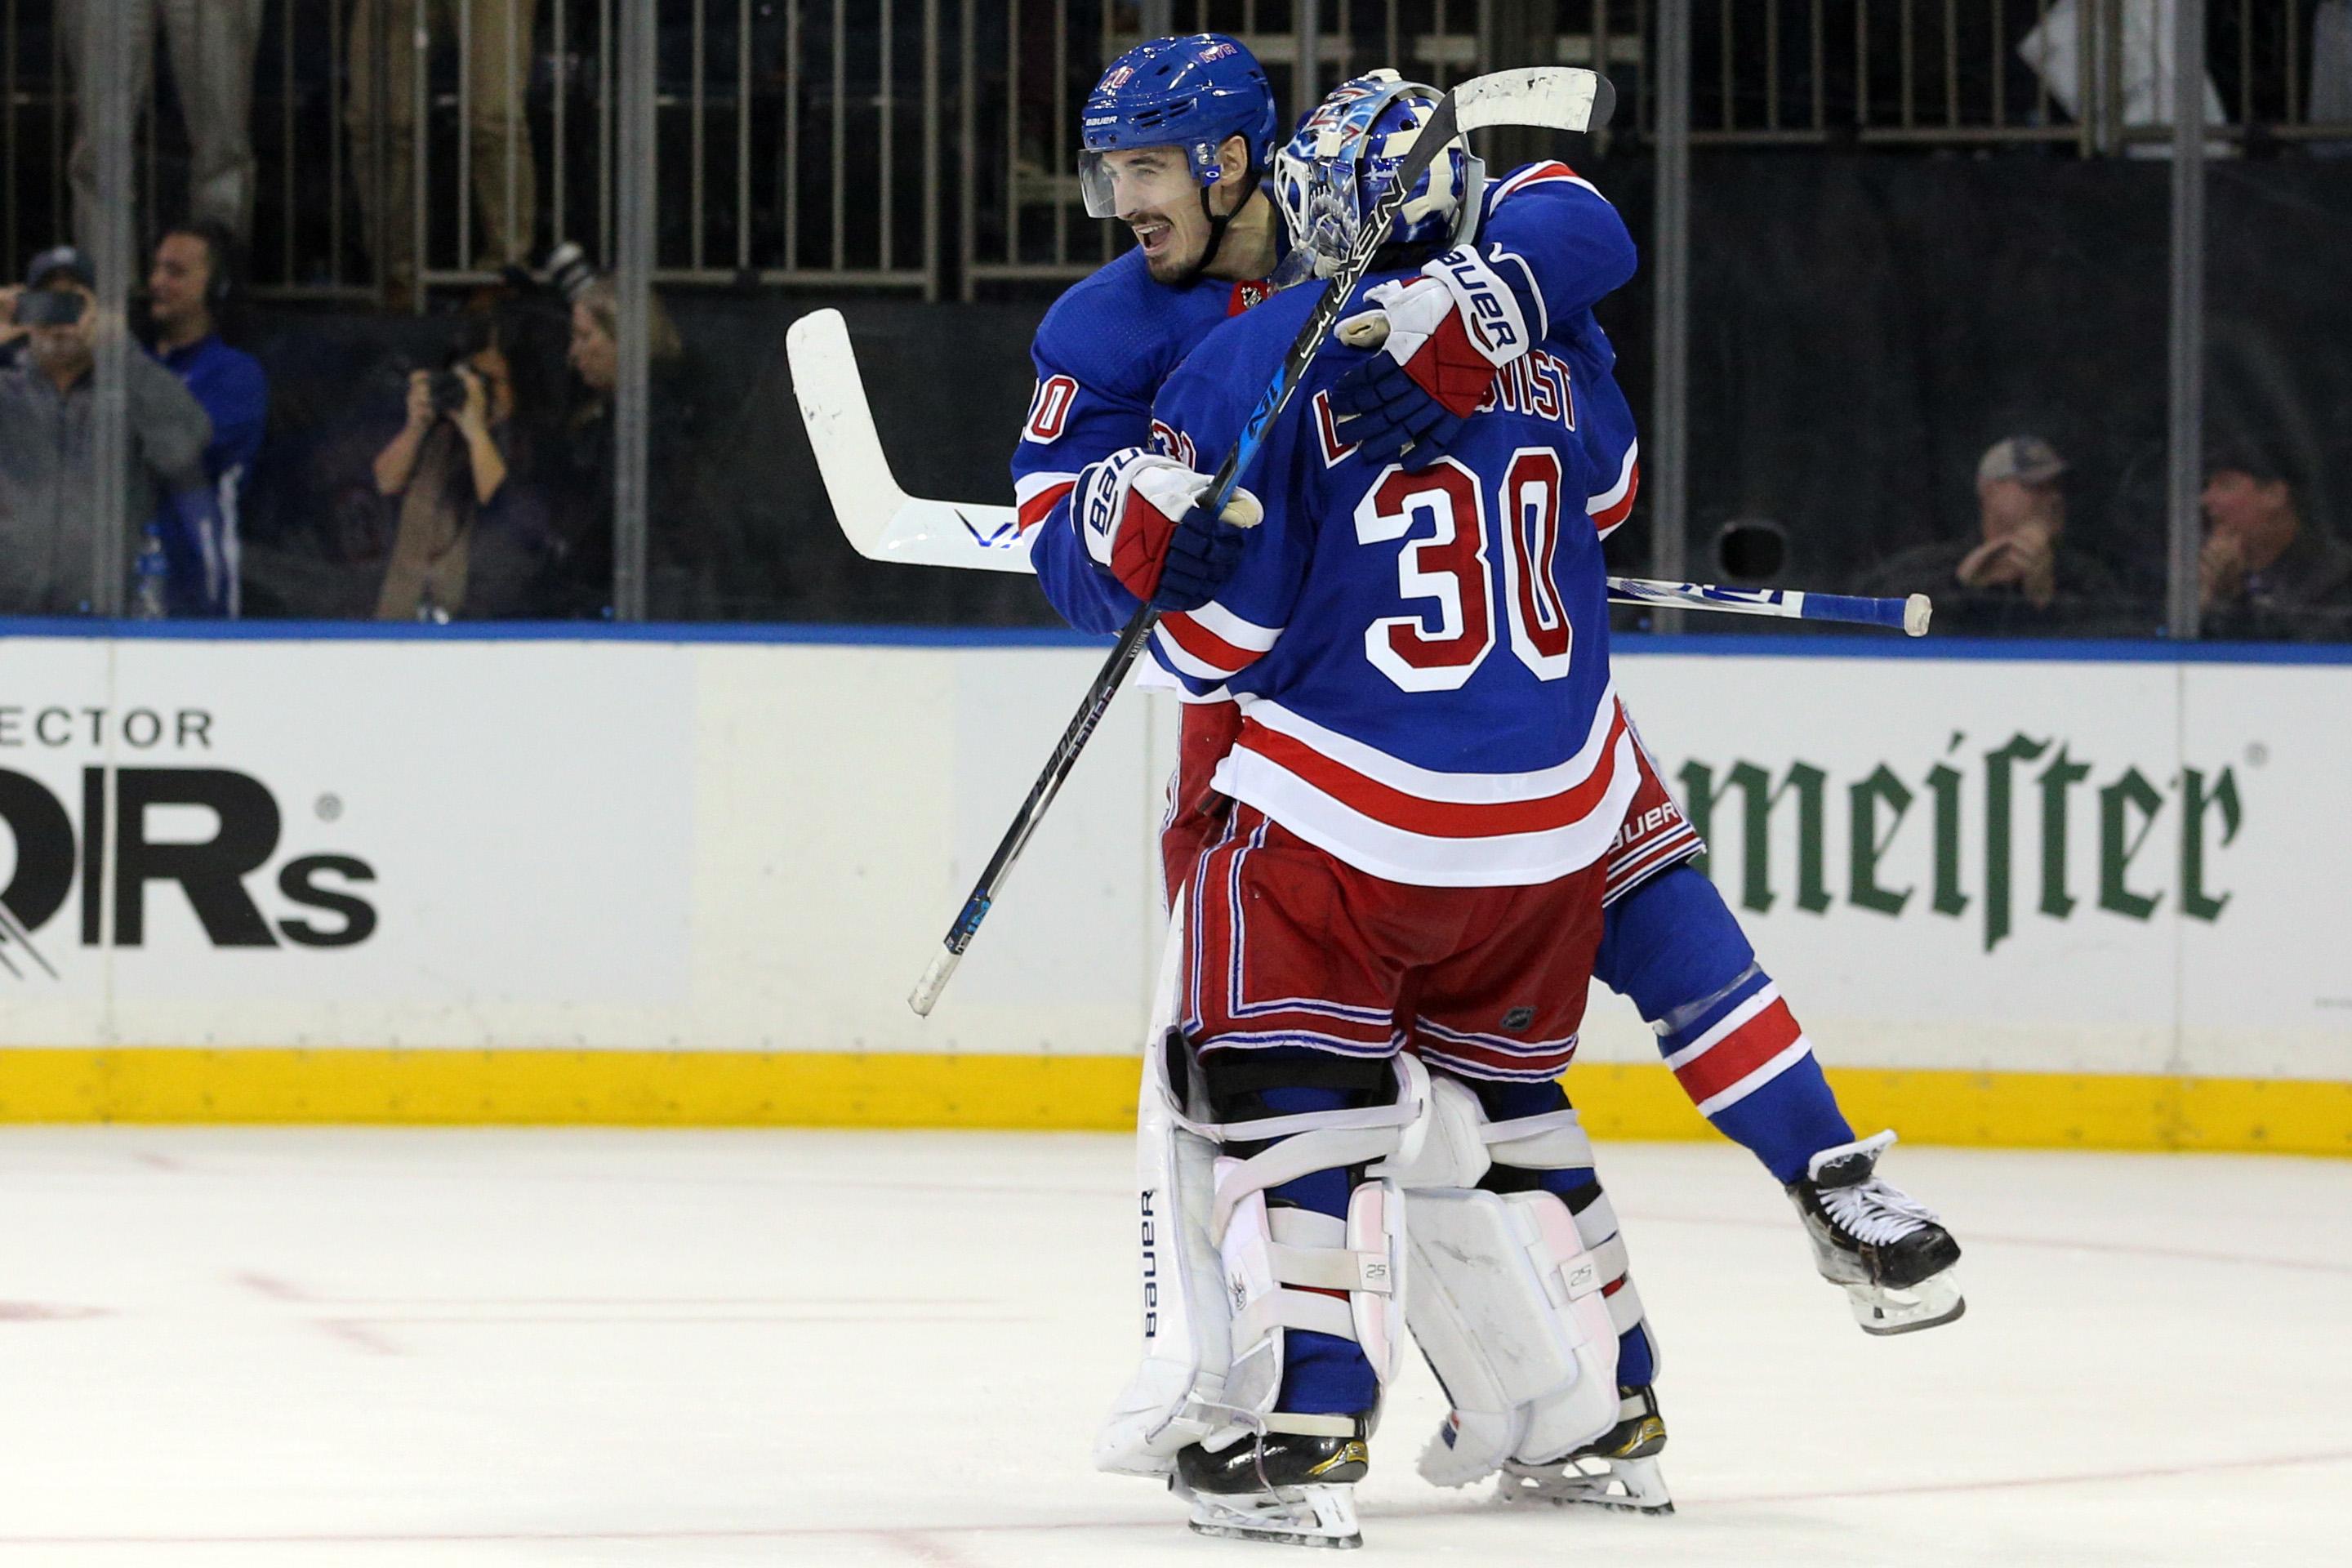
1430	768
1177	137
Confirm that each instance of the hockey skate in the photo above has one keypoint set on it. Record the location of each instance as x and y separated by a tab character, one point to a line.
1617	1470
1891	1253
1283	1487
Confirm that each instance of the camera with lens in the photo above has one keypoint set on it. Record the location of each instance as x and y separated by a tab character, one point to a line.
447	388
49	308
568	271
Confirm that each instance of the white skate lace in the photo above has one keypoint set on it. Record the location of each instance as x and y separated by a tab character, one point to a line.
1872	1211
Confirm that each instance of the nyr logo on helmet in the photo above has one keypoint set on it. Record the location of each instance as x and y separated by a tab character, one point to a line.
1217	51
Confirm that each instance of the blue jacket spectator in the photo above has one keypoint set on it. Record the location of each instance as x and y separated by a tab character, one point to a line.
192	277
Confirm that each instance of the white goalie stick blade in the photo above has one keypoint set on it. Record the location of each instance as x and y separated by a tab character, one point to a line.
1564	97
881	521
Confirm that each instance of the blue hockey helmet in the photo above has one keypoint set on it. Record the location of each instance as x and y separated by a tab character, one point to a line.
1331	173
1192	92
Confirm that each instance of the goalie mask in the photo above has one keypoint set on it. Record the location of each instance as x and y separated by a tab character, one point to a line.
1332	173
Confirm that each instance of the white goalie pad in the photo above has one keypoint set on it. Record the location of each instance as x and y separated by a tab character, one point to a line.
1224	1275
1506	1300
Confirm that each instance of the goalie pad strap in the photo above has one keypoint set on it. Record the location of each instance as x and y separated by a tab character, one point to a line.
1282	1308
1552	1142
1311	1426
1609	1258
1300	1154
1625	1307
1596	1222
1329	1268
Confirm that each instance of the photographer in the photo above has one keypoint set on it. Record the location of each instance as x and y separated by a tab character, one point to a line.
473	528
48	467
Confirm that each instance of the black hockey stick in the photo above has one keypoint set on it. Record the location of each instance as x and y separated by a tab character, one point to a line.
1561	97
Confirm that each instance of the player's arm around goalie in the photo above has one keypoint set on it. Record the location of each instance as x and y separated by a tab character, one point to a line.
1144	519
1548	247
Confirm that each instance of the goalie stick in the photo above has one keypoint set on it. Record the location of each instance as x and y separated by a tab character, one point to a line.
1560	97
883	522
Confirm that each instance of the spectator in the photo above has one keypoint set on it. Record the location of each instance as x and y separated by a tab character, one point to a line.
192	279
2017	573
584	525
473	536
381	115
2266	571
213	44
48	509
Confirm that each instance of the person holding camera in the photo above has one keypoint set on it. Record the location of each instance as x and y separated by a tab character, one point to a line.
47	460
473	528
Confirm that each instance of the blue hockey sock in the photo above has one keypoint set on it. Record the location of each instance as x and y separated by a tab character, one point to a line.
1673	947
1322	1374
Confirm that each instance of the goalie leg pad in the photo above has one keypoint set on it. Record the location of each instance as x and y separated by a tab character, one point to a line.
1536	1140
1227	1275
1508	1303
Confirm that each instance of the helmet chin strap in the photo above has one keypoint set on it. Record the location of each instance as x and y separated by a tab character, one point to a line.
1218	223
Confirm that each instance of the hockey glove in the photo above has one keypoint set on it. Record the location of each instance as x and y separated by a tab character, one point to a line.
1439	342
1140	515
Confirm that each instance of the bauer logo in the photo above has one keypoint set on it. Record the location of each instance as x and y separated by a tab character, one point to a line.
1150	1270
124	857
1991	834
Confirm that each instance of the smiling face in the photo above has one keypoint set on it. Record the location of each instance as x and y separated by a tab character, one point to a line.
1154	194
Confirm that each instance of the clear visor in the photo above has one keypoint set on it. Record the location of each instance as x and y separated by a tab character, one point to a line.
1135	180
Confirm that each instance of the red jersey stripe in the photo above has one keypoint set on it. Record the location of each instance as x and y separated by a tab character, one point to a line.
1205	645
1033	511
1733	1057
1612	516
1434	818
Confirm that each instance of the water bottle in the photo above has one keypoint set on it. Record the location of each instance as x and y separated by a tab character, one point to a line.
148	573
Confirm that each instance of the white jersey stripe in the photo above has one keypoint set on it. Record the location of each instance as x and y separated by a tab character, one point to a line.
1399	855
1723	1026
1597	504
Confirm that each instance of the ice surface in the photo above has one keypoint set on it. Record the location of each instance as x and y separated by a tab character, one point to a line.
460	1347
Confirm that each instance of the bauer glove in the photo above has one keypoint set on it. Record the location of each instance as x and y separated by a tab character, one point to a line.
1140	516
1437	342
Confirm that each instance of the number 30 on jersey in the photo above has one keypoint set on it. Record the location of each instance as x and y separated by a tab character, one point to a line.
1453	563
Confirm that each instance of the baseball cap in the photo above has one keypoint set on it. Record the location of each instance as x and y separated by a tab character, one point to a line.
2028	460
2231	452
60	259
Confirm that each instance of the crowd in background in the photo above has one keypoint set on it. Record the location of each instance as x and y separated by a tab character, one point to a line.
490	498
459	463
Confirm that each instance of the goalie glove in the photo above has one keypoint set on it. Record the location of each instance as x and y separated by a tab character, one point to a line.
1438	342
1140	516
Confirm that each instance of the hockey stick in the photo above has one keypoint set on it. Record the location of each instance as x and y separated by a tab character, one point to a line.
883	522
1560	97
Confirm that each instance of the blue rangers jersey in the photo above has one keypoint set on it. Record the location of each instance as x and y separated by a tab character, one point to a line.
1421	658
1108	345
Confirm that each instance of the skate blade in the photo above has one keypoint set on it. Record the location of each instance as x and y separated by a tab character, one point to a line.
1287	1516
1619	1486
1930	1304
